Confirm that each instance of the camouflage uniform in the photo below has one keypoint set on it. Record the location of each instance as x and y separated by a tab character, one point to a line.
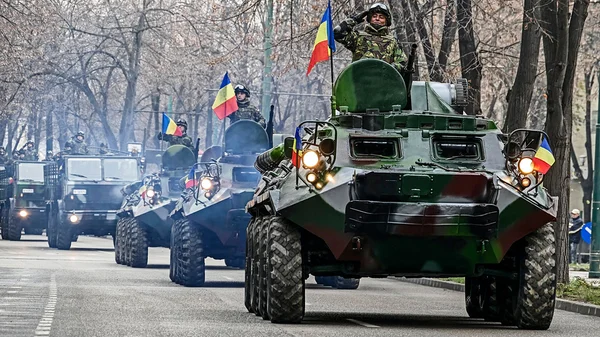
177	140
371	42
247	111
4	158
78	147
28	154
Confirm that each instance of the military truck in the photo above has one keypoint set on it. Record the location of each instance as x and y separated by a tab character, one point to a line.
83	195
22	203
399	183
210	218
144	215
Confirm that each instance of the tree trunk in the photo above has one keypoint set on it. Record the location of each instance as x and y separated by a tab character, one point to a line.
410	31
155	101
399	23
209	127
432	65
49	131
522	90
448	36
469	60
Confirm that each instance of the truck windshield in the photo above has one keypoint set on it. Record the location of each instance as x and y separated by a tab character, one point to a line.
120	169
31	172
84	169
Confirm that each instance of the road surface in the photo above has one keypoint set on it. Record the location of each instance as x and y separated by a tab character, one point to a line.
83	292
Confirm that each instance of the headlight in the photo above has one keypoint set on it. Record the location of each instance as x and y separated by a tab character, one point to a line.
310	159
73	218
526	165
206	183
525	182
311	177
150	193
23	213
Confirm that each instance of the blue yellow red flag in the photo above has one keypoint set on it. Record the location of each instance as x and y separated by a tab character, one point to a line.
189	180
225	103
169	127
324	43
297	149
543	159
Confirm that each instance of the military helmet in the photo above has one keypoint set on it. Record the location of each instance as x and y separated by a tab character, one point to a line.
241	88
80	133
380	7
182	122
29	142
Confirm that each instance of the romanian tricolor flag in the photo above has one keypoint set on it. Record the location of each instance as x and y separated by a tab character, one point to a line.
143	191
297	149
324	42
225	103
189	180
169	127
543	159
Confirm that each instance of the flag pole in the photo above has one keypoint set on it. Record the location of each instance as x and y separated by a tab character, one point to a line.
333	104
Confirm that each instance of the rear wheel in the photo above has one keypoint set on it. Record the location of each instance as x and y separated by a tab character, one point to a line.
262	271
255	266
191	264
139	245
63	235
531	304
118	241
481	298
285	279
173	252
3	220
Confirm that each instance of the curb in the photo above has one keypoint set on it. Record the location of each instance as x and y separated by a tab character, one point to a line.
566	305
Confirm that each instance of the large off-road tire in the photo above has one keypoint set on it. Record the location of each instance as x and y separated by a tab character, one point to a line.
173	252
191	262
255	266
51	231
481	298
127	242
262	271
3	227
285	279
248	266
139	245
119	240
531	305
63	234
14	227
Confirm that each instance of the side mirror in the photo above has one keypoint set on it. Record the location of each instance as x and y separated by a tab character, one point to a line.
288	147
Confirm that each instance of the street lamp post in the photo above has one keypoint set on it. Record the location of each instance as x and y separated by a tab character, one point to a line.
595	249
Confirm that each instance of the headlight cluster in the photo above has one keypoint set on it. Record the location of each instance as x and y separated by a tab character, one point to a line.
318	175
210	186
524	171
153	195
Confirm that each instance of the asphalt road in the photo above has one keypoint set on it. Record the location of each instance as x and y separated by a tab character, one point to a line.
83	292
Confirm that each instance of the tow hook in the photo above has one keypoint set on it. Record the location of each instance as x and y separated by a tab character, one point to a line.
356	244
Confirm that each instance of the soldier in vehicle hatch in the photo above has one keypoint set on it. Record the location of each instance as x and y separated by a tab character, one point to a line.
181	140
375	40
77	145
28	152
245	109
4	158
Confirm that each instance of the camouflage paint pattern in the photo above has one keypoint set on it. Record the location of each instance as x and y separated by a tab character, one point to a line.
414	214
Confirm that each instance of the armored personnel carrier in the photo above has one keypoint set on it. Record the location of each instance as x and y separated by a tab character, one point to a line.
144	215
210	218
22	204
83	195
399	183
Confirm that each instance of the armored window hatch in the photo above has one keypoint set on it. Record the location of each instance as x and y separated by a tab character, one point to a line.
375	148
457	148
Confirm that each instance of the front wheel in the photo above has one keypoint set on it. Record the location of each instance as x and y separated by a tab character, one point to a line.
14	227
285	280
64	236
51	231
191	264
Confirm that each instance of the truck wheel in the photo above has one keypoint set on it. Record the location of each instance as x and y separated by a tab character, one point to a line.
341	282
3	226
51	231
63	235
255	266
481	298
262	271
127	242
118	240
14	228
173	253
139	245
531	305
248	267
285	279
191	266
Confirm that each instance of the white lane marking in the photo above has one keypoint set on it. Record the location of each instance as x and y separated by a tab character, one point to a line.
45	324
16	287
228	278
366	325
12	292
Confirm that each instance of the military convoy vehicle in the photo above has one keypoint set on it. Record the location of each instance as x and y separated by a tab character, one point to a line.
22	204
144	215
399	183
83	195
210	218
